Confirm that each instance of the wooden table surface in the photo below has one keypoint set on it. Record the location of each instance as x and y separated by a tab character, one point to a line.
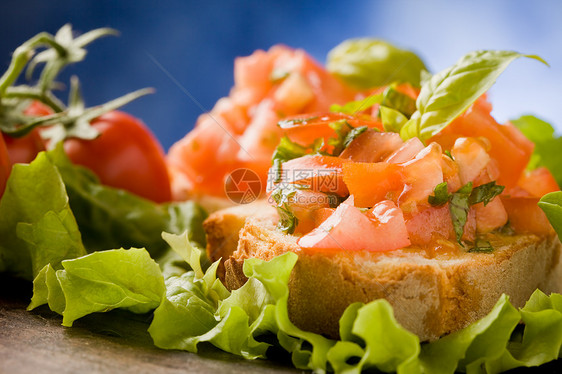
115	342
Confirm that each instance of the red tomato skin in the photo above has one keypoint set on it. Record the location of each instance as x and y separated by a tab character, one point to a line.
24	149
126	155
5	166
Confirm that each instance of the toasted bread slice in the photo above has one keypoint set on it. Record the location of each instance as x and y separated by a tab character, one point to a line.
431	295
222	228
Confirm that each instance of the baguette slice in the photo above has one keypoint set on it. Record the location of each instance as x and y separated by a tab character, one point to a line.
431	296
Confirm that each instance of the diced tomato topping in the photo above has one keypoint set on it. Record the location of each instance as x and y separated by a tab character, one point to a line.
372	146
207	141
348	229
268	86
321	173
525	216
322	214
421	175
433	223
373	182
305	129
534	183
508	146
303	205
490	217
406	152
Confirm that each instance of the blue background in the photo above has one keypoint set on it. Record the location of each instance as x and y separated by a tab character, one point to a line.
196	43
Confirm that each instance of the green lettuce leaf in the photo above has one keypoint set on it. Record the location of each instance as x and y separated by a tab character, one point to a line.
450	92
112	218
99	282
35	203
547	144
367	63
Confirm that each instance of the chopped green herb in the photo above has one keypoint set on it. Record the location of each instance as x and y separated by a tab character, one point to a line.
485	193
354	133
440	195
282	197
460	201
481	246
459	206
448	153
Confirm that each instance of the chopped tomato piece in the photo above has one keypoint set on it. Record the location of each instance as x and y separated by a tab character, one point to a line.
490	217
322	214
372	146
304	203
190	156
350	230
305	129
508	146
421	175
525	216
472	158
450	174
433	223
406	152
535	183
321	173
373	182
389	219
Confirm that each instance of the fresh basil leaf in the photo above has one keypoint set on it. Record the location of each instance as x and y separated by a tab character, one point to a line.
485	193
394	99
459	206
392	119
354	107
551	204
440	195
450	92
367	63
547	144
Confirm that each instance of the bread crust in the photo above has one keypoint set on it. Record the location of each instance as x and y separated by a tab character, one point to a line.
222	228
431	296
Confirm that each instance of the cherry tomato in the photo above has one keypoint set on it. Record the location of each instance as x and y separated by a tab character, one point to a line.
24	149
5	166
126	155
